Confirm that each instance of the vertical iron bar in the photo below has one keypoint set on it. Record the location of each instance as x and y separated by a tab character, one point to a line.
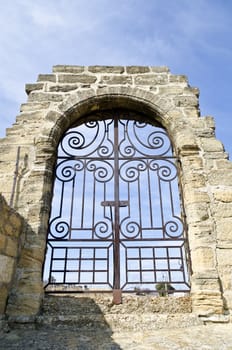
83	198
93	205
169	268
71	209
161	203
94	265
65	265
116	284
15	177
79	265
140	266
149	194
139	206
154	264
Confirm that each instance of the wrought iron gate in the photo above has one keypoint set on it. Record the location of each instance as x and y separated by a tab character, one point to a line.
116	219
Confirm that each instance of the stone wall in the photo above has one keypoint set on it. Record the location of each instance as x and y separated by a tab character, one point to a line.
11	236
58	100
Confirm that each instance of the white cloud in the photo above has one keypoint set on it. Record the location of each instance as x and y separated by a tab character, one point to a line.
191	37
44	19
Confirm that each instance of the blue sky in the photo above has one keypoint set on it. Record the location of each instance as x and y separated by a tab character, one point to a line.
190	37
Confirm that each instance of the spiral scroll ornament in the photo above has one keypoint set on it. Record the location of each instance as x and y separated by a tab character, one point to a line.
80	142
66	170
59	228
126	149
146	142
130	229
166	169
103	170
174	227
103	229
130	170
106	150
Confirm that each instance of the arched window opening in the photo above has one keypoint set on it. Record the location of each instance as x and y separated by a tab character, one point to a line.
117	216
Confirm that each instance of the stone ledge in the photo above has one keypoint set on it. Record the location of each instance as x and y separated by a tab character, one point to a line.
76	78
125	322
68	69
32	87
47	77
106	69
137	69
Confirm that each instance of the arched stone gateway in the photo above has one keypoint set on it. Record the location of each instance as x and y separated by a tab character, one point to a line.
64	98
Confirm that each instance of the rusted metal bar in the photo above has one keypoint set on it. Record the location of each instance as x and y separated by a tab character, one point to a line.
15	177
116	283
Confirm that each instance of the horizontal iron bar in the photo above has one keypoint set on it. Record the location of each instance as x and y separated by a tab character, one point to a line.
114	203
122	240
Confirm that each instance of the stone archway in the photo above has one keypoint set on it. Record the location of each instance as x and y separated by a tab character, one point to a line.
117	219
55	102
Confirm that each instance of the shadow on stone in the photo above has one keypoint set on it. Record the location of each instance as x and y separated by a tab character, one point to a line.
66	322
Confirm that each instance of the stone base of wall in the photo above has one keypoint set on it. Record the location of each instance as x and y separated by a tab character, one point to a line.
90	311
10	244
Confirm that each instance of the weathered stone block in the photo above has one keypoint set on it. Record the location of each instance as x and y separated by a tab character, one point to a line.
24	304
2	241
194	180
187	145
42	97
63	87
223	194
224	164
203	258
206	303
215	177
7	267
178	79
151	79
223	210
137	69
191	112
197	196
204	283
212	145
186	101
161	69
106	69
171	90
31	256
76	78
34	106
47	77
228	298
225	277
9	230
11	247
224	229
201	233
193	162
224	258
115	79
3	298
32	87
68	69
192	90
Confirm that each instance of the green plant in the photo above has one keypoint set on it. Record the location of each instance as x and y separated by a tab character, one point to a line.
164	288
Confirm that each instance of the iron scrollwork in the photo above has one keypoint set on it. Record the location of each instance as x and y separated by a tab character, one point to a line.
116	202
